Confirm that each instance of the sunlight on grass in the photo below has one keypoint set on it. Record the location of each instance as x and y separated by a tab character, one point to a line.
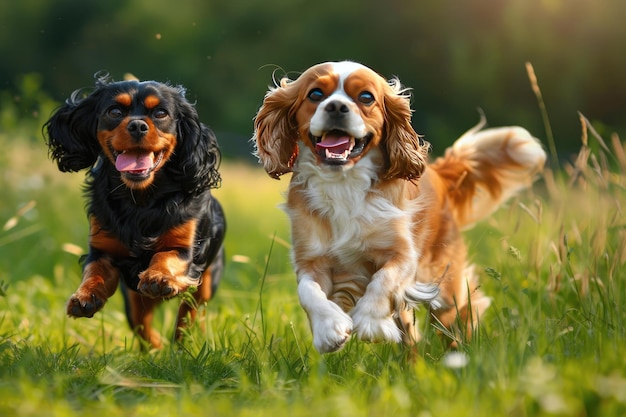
553	262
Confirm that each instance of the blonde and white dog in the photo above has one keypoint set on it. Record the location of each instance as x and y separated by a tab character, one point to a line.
375	226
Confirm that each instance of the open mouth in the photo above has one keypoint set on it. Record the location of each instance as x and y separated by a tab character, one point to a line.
137	164
336	147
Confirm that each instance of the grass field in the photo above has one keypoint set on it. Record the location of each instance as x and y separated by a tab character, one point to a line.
552	344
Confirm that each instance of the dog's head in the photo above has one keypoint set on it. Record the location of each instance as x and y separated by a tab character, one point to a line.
341	111
141	128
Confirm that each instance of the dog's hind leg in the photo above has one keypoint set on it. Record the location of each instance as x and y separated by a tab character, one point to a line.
211	250
463	308
408	326
140	313
205	291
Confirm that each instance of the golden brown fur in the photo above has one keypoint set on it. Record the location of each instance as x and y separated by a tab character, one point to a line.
375	228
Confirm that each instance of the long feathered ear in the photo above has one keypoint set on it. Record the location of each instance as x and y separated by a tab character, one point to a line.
275	131
197	156
70	133
406	152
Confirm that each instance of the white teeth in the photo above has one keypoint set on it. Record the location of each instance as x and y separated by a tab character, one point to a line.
331	155
344	155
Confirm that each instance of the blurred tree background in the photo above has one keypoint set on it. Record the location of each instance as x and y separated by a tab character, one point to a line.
457	55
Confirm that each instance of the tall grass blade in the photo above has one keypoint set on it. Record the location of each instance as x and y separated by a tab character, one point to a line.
544	115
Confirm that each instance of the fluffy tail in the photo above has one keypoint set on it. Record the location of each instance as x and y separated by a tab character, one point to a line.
485	167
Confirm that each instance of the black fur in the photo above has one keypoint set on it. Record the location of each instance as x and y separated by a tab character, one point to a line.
179	192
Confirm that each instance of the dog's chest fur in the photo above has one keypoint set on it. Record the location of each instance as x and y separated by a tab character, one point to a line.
352	217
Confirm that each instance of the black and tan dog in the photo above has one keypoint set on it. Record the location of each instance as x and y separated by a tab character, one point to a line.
152	219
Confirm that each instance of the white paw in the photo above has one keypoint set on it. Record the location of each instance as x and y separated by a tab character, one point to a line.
375	324
331	328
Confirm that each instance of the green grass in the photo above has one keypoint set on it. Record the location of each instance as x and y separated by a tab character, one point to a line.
552	342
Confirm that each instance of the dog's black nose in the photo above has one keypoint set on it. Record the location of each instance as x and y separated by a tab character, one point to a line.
137	128
336	109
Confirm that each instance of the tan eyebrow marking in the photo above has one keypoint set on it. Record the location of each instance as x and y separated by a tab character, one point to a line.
151	102
358	82
124	99
328	83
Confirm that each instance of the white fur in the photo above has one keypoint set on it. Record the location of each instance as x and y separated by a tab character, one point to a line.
345	198
357	242
355	126
331	327
345	68
361	219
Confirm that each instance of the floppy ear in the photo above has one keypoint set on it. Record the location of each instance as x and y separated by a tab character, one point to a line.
197	156
406	152
275	131
70	133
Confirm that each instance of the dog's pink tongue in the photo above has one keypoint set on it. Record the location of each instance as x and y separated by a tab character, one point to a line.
134	161
334	142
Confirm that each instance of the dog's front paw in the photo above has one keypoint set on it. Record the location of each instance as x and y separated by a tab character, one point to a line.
374	324
85	305
157	284
331	329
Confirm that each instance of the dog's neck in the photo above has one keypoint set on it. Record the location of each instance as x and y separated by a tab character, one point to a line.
346	200
360	176
331	190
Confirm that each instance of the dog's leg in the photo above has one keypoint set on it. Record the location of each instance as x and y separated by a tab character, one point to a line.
331	327
100	277
187	312
140	312
213	251
166	275
408	326
210	279
463	305
373	314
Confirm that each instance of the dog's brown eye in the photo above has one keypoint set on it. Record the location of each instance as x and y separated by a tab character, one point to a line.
366	97
160	113
115	112
316	95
